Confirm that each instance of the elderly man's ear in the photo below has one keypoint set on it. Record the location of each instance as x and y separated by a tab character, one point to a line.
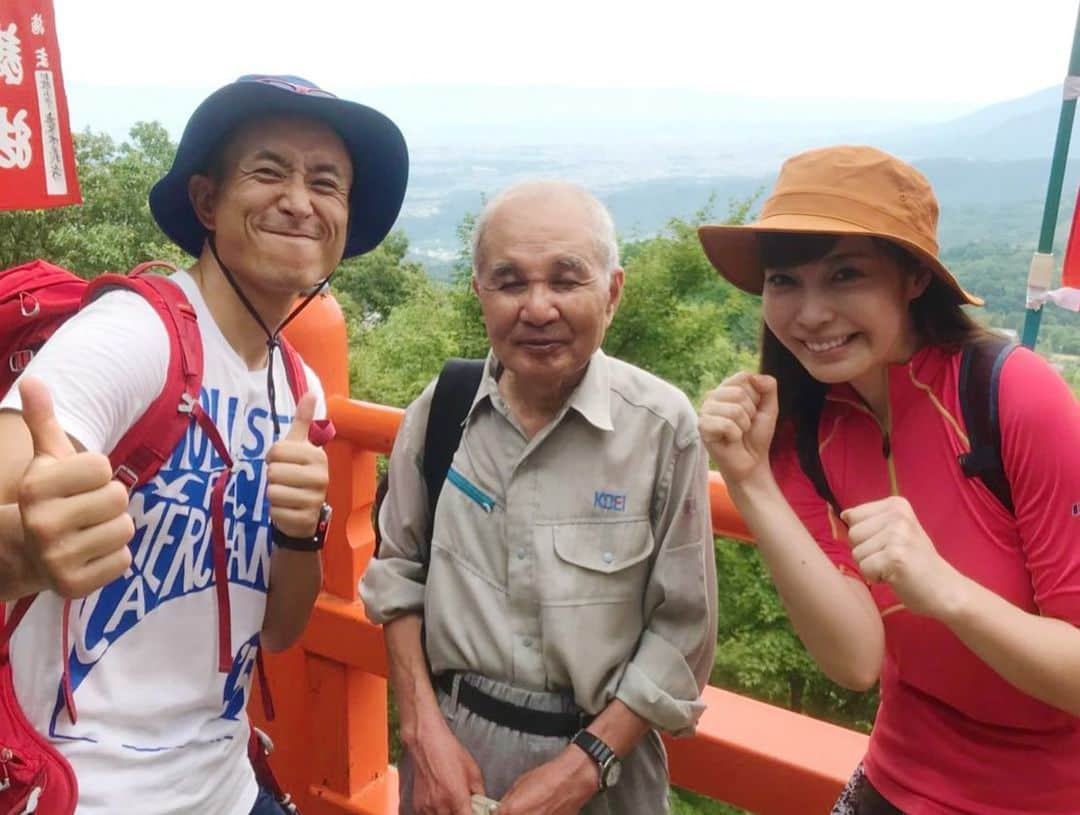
615	287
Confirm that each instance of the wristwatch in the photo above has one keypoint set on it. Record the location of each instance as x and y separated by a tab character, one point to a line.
309	544
608	763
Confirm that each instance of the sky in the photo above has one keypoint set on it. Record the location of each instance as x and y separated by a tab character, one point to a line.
956	51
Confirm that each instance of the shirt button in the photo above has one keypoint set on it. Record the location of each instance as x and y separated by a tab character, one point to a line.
607	557
527	642
521	553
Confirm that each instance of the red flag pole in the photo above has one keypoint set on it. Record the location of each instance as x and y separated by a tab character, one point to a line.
1042	263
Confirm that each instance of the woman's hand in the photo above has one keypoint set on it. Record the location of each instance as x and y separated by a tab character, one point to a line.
890	546
737	422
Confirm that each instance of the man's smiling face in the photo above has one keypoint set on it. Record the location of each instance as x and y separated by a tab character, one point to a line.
280	209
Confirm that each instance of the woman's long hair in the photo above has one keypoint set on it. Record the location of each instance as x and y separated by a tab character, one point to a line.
936	315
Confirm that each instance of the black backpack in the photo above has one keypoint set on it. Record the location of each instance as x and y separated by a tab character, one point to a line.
455	390
980	374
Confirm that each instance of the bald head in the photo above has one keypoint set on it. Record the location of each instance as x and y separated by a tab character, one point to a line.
551	196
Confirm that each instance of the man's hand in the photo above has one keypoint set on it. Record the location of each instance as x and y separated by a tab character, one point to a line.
76	527
297	476
561	786
890	546
447	776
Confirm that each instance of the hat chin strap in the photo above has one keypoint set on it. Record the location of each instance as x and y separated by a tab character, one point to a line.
273	339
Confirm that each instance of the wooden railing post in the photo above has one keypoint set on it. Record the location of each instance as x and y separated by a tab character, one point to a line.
331	715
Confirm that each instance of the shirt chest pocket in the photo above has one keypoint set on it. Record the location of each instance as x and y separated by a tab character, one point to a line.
593	562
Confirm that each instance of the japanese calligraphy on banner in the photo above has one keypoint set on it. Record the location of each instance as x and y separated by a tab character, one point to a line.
37	158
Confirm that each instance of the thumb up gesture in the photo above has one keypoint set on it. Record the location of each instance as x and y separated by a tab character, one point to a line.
297	476
74	515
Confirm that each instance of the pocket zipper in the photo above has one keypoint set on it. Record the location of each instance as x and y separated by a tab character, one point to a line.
485	501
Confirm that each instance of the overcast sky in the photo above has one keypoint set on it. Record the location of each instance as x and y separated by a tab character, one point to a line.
975	51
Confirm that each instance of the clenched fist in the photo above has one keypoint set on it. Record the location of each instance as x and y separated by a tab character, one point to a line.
737	422
891	546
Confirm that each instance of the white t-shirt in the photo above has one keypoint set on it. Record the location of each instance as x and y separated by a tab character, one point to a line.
160	730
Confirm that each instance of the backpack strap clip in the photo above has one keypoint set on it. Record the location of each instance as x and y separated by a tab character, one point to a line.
30	310
18	360
126	476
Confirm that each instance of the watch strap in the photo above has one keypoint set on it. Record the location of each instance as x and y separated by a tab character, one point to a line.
312	543
596	749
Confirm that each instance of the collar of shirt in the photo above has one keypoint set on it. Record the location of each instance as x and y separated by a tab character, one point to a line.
909	382
591	398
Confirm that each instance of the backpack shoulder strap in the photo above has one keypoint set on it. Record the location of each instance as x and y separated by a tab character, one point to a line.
454	393
980	376
322	431
18	611
149	442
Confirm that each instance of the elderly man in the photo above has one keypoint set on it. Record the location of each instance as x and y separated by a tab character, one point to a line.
274	181
568	609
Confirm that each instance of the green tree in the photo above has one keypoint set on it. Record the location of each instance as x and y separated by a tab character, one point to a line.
677	319
373	284
391	362
758	653
112	229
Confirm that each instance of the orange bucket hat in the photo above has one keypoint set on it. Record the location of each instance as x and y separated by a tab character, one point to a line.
843	190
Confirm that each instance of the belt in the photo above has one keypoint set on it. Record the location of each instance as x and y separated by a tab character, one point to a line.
514	717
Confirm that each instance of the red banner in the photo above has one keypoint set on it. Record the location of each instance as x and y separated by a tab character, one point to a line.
1070	273
37	158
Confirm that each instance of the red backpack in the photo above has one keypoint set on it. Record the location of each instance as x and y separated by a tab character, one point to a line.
35	299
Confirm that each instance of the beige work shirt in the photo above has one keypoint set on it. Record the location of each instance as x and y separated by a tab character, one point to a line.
580	560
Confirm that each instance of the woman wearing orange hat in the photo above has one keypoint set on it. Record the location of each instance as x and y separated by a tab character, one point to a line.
914	490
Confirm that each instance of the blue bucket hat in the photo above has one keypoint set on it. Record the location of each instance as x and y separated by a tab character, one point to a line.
380	159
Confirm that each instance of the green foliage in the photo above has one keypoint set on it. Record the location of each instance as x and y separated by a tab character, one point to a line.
684	802
676	318
392	361
468	325
113	229
375	283
997	272
758	653
1070	370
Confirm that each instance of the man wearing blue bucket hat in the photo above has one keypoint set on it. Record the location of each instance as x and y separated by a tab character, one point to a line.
274	182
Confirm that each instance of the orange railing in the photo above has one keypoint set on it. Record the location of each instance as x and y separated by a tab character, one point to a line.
330	691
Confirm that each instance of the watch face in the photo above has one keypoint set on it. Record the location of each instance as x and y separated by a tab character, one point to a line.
612	773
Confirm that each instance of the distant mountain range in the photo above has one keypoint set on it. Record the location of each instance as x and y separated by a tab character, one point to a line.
658	153
1022	128
724	129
